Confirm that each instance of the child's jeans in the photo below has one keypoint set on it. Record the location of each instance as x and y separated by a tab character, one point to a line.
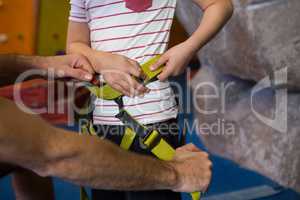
170	132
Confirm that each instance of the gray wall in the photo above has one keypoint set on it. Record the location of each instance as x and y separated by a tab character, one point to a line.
259	48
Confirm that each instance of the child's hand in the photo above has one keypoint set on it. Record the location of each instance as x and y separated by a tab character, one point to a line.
117	71
175	61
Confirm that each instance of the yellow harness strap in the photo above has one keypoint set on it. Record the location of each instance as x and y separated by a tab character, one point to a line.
83	194
153	141
108	93
162	150
127	139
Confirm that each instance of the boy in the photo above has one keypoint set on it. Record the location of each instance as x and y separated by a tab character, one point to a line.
116	35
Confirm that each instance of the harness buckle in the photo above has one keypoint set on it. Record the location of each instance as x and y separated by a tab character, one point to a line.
120	102
152	139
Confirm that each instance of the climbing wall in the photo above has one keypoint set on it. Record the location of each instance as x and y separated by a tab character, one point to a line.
53	22
248	99
18	22
34	27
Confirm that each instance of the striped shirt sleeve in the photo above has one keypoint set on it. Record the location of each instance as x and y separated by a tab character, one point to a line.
78	11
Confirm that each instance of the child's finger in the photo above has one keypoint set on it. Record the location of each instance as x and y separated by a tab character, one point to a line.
165	74
135	68
125	85
141	89
82	62
162	60
132	87
120	88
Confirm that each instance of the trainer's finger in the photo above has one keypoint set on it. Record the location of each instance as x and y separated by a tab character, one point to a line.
190	147
161	61
207	185
78	74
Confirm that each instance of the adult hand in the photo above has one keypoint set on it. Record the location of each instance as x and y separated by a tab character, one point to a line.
118	71
175	60
74	66
193	167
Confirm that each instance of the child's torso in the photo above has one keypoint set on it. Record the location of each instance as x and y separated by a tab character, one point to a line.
138	35
115	28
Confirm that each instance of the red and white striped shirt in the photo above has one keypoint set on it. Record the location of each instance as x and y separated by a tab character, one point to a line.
136	35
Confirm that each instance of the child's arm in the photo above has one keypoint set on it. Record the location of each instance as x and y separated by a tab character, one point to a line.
116	69
216	14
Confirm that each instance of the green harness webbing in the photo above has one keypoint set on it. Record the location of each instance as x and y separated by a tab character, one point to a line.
151	139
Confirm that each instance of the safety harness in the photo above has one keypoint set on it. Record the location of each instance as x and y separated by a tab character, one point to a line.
150	138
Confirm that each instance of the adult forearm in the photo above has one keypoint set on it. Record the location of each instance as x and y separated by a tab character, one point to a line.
100	164
214	18
30	142
11	66
22	137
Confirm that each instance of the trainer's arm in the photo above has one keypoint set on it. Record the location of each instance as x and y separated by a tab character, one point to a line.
30	142
10	69
75	65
